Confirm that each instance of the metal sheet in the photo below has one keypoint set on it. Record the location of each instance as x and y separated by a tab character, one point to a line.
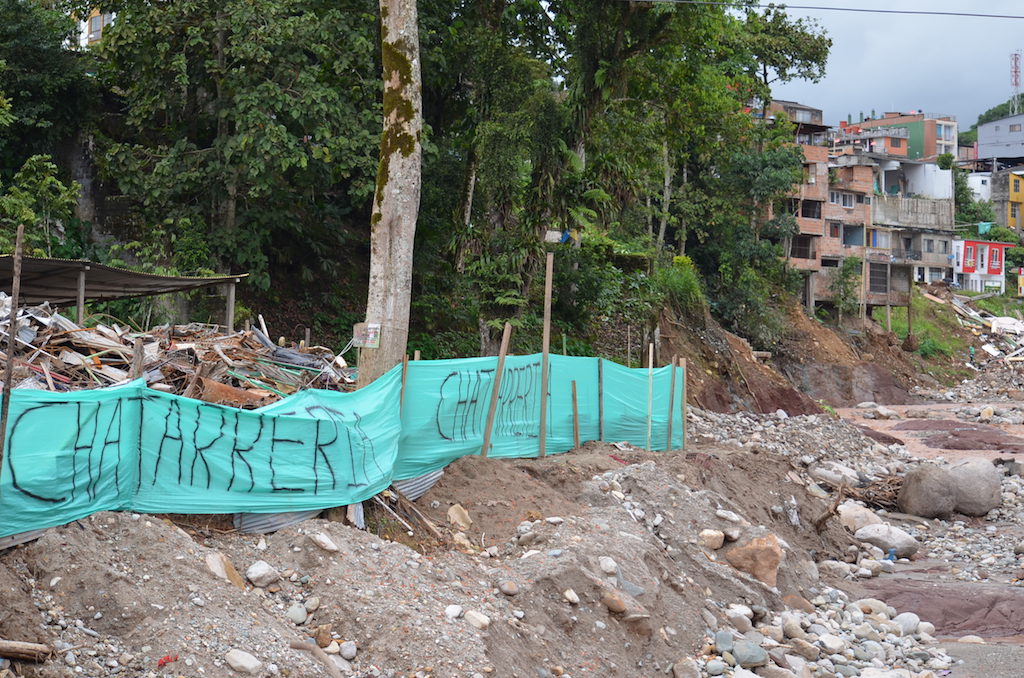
414	488
264	523
21	538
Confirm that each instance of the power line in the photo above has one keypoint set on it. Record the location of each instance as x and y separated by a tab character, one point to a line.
917	12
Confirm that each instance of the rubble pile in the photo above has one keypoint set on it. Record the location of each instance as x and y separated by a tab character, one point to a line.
243	369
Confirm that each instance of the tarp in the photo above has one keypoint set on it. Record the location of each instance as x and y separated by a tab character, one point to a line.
129	447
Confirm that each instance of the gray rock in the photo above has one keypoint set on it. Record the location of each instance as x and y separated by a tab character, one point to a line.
348	650
886	537
978	486
686	668
453	611
297	613
749	654
723	641
262	574
715	667
908	622
508	587
928	491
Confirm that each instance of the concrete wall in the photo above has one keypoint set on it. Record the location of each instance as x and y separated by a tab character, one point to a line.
981	185
995	140
929	181
913	212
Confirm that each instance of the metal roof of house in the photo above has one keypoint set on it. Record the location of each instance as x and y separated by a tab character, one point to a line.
56	281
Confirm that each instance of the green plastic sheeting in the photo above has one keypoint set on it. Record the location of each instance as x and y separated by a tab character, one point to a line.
133	448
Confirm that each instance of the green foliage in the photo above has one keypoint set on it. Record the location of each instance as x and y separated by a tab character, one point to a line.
39	200
48	95
945	161
845	286
936	327
252	119
930	347
680	283
969	210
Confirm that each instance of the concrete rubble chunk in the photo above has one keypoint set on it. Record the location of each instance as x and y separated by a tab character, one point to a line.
711	539
477	619
854	516
759	557
323	541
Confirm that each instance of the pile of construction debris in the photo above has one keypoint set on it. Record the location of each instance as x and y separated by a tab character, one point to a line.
243	369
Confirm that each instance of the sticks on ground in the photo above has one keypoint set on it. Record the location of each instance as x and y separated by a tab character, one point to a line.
16	649
319	654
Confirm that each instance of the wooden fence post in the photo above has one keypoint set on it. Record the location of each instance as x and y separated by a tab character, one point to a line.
650	392
671	403
495	392
545	350
575	418
12	331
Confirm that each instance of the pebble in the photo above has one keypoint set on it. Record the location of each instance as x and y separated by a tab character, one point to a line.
297	613
348	650
508	587
453	611
243	662
478	619
608	565
571	596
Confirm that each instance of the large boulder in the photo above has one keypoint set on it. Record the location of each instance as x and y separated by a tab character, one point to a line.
759	557
978	486
888	537
928	491
854	516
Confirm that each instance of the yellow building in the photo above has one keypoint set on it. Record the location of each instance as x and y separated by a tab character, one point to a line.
1014	214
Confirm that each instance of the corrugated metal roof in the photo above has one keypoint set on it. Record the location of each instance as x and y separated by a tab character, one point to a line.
414	488
264	523
56	281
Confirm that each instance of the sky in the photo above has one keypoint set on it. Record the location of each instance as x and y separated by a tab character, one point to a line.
892	62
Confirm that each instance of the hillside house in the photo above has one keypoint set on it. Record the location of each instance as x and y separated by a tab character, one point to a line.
980	265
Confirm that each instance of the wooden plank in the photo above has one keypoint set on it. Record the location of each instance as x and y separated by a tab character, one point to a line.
600	399
932	297
682	403
650	392
545	350
405	374
671	404
16	649
575	418
495	392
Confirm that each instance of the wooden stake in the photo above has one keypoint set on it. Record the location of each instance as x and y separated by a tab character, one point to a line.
229	308
545	349
671	403
600	399
81	295
682	404
16	649
496	391
650	392
910	300
405	373
138	358
309	337
415	355
629	346
12	331
575	418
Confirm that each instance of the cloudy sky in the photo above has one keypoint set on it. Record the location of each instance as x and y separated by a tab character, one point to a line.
890	62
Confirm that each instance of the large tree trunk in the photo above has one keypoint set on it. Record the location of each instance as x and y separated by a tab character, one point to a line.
397	198
666	193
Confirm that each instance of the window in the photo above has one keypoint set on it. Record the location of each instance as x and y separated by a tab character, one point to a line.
984	182
793	206
811	209
934	274
833	197
95	27
994	263
878	279
1014	128
944	246
969	256
803	247
1016	185
810	174
896	143
834	229
802	116
1014	209
863	200
929	245
981	257
847	200
829	263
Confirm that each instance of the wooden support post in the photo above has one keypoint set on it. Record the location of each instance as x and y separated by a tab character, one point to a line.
629	346
229	308
671	403
81	295
405	373
575	418
138	358
309	338
682	404
600	399
496	391
22	651
12	331
545	349
888	297
416	355
910	300
650	392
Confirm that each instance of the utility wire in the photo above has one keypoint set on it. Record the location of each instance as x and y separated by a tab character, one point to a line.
782	5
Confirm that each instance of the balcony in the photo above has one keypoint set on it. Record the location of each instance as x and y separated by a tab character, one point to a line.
903	255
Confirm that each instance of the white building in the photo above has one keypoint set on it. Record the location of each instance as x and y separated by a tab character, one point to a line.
980	184
980	265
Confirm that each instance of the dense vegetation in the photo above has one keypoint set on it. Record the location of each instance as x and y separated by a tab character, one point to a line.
244	135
